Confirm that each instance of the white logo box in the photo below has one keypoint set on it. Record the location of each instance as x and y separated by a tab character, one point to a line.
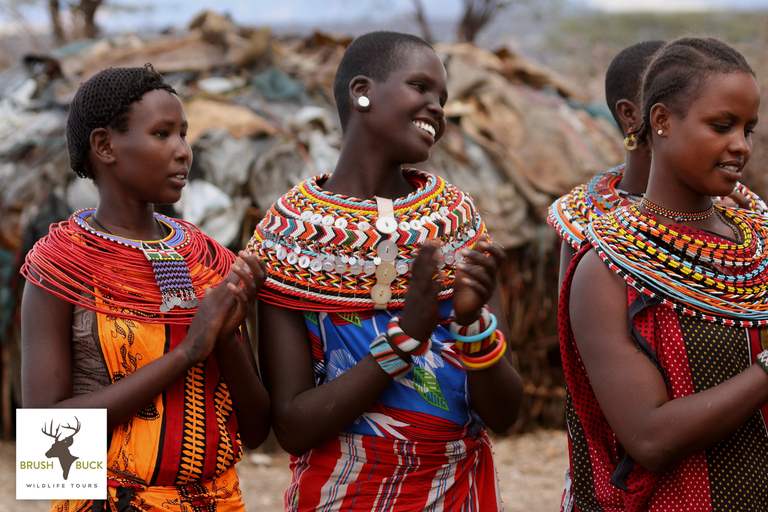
61	454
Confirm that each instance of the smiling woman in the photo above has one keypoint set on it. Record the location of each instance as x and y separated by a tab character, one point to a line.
381	328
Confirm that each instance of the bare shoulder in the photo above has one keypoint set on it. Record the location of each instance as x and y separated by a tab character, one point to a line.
598	305
595	283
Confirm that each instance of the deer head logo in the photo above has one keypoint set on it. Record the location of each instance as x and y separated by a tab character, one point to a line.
60	447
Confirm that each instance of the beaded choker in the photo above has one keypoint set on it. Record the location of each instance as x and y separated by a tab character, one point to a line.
154	281
715	281
571	214
677	216
325	251
170	269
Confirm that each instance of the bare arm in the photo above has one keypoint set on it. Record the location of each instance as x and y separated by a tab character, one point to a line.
46	351
654	430
237	363
496	392
304	415
249	398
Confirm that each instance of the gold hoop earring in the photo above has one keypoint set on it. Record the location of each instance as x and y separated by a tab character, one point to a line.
630	143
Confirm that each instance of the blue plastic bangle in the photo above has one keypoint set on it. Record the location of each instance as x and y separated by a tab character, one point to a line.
477	337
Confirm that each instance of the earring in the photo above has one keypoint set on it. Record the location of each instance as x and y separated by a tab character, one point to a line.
660	132
630	144
363	102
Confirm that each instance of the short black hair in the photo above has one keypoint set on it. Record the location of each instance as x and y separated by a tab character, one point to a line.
679	71
625	73
375	55
104	100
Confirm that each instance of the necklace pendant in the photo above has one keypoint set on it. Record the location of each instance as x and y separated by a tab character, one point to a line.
172	276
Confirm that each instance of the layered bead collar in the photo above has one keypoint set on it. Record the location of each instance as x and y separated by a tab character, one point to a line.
327	251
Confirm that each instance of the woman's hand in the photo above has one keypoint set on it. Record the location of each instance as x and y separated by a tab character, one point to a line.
475	279
419	317
224	307
252	272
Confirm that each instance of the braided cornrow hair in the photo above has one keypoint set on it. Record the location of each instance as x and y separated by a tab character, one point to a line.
104	100
624	75
679	71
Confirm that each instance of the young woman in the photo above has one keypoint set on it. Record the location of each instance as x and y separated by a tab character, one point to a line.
382	336
571	214
141	314
663	312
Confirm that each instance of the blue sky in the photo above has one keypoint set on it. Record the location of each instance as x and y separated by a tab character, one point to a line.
317	12
667	5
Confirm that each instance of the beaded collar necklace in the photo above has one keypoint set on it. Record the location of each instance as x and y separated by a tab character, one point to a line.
717	282
111	275
170	270
327	251
571	214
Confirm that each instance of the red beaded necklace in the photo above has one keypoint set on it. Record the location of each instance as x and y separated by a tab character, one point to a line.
90	269
677	216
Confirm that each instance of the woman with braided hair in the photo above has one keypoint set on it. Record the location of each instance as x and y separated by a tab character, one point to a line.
625	184
144	314
381	331
663	314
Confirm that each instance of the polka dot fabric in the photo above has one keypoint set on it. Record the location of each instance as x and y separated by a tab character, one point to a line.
694	356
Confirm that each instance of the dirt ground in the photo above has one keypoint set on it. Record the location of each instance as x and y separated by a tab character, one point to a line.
530	466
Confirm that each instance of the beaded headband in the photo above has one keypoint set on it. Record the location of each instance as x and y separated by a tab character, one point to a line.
324	251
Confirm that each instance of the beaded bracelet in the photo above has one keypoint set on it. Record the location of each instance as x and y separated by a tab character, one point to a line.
762	359
477	346
404	342
488	360
476	327
477	337
387	358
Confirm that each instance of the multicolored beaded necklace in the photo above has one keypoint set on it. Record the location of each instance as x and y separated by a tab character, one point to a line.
170	269
147	280
325	251
571	214
677	216
685	272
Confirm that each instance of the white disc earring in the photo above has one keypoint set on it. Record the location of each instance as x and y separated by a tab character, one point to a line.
363	102
660	132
